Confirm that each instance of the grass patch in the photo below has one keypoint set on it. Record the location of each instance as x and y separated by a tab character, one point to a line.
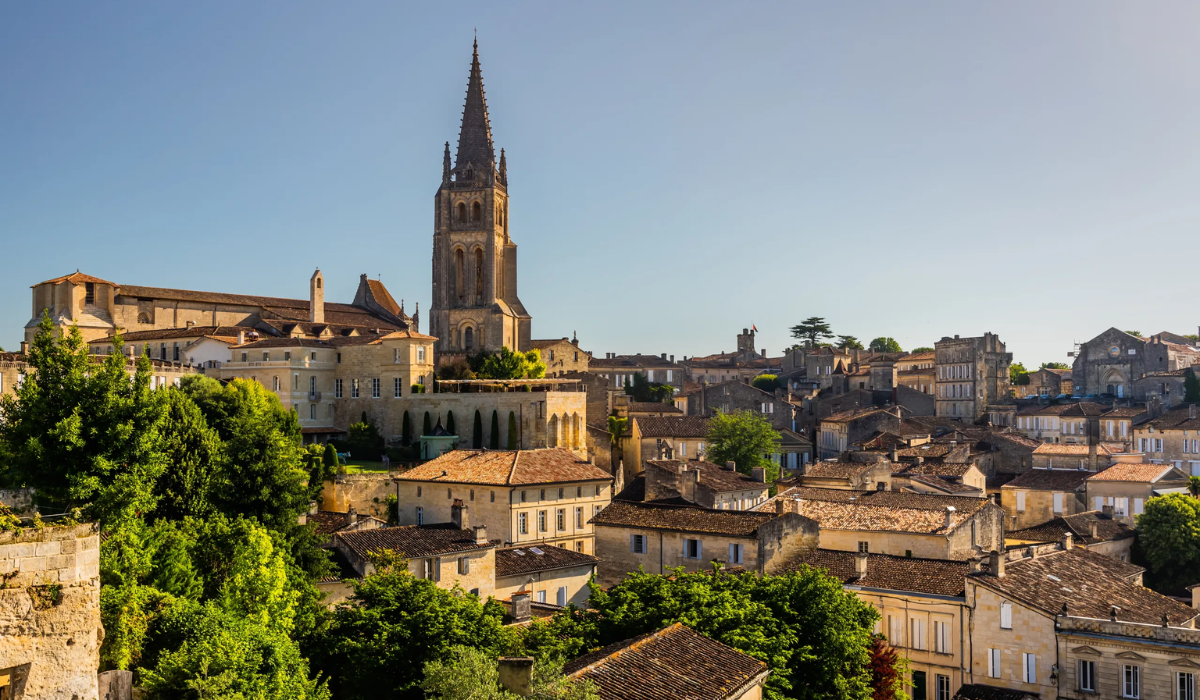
362	466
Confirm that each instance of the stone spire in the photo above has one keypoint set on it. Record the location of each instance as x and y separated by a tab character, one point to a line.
503	169
446	164
475	136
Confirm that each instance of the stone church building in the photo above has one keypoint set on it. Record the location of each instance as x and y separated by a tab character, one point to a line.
475	304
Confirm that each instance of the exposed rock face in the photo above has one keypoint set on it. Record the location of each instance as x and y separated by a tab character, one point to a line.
50	630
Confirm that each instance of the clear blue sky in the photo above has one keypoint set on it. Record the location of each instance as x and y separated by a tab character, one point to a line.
677	170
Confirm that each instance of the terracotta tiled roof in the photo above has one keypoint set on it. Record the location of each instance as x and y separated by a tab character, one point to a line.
506	468
838	470
672	426
1050	480
865	516
515	561
1147	473
943	485
413	541
284	343
933	576
406	333
653	407
853	414
655	516
916	356
711	475
1049	448
75	277
169	333
1080	527
328	522
1179	419
1089	583
674	662
936	468
978	691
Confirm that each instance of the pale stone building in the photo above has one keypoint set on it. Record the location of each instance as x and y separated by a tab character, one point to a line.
1109	364
1040	495
550	574
448	554
703	483
972	374
1173	438
1125	487
1093	529
562	356
523	497
475	303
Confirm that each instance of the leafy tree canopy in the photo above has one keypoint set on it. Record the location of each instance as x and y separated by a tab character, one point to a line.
923	348
1136	334
1054	365
812	329
1191	387
471	674
883	344
641	389
849	342
766	382
507	364
1017	371
744	438
1169	537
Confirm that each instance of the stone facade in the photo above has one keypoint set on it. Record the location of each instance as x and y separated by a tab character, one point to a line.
50	612
736	395
366	494
971	374
1108	364
543	585
562	357
475	303
1166	659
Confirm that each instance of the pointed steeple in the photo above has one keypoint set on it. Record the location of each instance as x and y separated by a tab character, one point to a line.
475	136
446	164
503	169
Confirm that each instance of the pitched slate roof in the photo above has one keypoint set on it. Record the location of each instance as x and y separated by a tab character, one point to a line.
681	518
506	468
1089	583
1143	472
413	541
1080	527
672	426
937	482
674	662
1039	479
515	561
932	576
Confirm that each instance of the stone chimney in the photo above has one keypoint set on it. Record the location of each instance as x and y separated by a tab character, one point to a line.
731	466
1068	542
997	564
516	672
459	515
688	480
1107	510
316	298
950	510
895	454
1095	530
241	337
520	606
860	564
351	516
1112	613
1192	411
759	474
481	534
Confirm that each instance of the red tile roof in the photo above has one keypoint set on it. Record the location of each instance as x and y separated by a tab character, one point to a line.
1050	480
517	561
681	518
1145	472
75	277
893	573
506	468
672	426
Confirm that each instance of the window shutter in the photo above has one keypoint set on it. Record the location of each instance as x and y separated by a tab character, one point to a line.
699	549
1137	506
561	598
633	543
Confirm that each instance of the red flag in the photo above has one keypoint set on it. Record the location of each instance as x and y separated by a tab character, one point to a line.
754	327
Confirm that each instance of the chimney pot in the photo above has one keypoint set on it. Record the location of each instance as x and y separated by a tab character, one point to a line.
1095	530
1068	541
351	516
759	474
520	606
241	337
731	466
516	672
860	564
950	510
1107	510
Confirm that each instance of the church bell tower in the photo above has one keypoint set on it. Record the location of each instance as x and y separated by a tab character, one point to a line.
475	304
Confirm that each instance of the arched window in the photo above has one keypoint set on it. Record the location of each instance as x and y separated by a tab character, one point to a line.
468	340
476	212
318	283
470	174
143	317
459	273
478	275
462	212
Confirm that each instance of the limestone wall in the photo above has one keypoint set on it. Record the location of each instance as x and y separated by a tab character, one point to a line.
20	500
366	493
50	630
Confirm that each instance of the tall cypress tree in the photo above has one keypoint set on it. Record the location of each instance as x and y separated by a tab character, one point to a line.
406	430
450	422
426	426
494	442
513	437
477	432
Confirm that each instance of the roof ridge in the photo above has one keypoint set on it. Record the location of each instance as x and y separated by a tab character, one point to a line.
512	472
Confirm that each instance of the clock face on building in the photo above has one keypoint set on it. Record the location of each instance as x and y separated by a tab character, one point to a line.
1114	350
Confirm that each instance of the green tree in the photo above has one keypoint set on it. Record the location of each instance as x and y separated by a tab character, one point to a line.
477	432
471	674
173	570
848	342
1169	537
642	390
923	348
378	646
195	454
1054	365
406	430
204	651
507	364
514	436
616	430
427	425
744	438
767	382
1194	486
364	437
450	422
257	587
1136	334
82	432
1016	371
1191	387
127	612
812	634
884	344
812	329
494	439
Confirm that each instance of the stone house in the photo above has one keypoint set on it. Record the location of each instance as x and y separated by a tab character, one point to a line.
903	524
1025	605
1125	487
734	396
1168	388
445	553
1108	364
619	369
1046	383
1093	529
704	484
50	604
180	345
850	476
1090	457
523	497
562	356
917	371
972	374
550	574
922	609
699	667
944	476
665	437
1172	438
840	431
660	536
1069	423
1041	495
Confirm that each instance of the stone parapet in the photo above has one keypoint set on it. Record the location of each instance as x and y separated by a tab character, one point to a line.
1173	635
51	555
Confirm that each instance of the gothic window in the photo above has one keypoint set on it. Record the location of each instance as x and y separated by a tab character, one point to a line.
468	340
476	212
462	212
478	275
459	272
470	174
143	317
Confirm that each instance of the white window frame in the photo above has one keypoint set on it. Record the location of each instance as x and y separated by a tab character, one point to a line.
993	663
1085	672
941	687
941	636
337	388
375	388
354	388
1028	668
397	387
523	523
917	633
1185	685
1006	615
1131	681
